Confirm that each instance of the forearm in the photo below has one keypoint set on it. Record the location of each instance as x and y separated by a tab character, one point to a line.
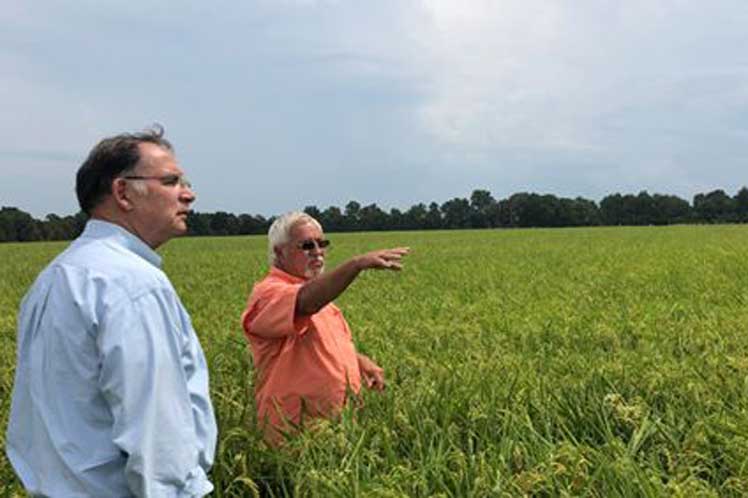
316	293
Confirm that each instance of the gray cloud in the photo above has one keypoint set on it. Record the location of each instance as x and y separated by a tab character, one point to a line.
276	105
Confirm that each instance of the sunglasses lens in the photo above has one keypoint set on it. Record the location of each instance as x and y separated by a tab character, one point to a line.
308	245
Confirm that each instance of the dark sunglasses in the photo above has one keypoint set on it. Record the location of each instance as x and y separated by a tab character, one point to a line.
166	180
309	244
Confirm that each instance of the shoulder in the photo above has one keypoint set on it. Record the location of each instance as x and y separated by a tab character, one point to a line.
271	291
110	267
273	283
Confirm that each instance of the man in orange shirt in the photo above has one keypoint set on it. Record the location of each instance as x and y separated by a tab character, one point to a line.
303	351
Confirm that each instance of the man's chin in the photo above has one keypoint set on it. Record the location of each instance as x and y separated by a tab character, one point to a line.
314	272
180	228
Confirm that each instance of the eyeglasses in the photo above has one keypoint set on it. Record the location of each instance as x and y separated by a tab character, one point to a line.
166	180
309	244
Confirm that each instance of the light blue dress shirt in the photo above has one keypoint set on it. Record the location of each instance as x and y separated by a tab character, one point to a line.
111	389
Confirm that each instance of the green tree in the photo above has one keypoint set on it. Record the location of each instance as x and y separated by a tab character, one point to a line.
352	216
643	207
198	223
716	206
251	225
396	220
456	213
314	212
57	228
372	218
416	218
533	210
19	225
611	210
741	204
670	209
223	223
333	220
434	217
481	204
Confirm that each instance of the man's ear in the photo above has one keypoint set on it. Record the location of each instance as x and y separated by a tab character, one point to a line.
278	250
121	195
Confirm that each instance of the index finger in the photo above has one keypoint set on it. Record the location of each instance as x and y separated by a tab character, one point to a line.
400	250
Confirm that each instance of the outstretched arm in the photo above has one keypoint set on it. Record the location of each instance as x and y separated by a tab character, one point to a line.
318	292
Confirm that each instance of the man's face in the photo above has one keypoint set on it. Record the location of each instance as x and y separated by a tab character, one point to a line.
161	212
297	261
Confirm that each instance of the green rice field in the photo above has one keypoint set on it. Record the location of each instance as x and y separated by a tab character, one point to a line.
598	362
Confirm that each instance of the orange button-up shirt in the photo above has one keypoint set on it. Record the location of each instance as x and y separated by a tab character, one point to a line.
305	364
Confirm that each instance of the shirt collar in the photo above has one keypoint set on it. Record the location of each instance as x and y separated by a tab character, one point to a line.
104	230
293	279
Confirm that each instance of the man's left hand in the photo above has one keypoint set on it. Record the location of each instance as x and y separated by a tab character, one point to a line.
371	373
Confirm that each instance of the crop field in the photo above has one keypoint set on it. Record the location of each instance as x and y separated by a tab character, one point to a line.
573	362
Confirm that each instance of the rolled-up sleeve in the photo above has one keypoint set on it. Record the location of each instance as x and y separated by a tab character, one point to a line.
271	312
141	349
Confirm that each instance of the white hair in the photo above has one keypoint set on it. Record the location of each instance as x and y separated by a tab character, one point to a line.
280	231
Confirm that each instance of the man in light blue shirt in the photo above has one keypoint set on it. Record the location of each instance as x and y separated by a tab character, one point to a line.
111	389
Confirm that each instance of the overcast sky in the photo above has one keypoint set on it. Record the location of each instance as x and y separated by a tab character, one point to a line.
275	105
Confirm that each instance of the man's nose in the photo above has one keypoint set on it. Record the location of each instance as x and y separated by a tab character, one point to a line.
188	195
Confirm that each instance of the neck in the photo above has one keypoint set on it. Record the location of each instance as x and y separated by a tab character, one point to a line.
119	218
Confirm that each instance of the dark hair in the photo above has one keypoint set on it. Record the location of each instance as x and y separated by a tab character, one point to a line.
108	159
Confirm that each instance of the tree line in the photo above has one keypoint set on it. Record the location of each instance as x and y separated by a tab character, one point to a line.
481	210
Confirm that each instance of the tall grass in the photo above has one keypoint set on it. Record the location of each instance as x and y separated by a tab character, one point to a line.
578	362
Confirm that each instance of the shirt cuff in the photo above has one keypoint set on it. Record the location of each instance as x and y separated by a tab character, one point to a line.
197	484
